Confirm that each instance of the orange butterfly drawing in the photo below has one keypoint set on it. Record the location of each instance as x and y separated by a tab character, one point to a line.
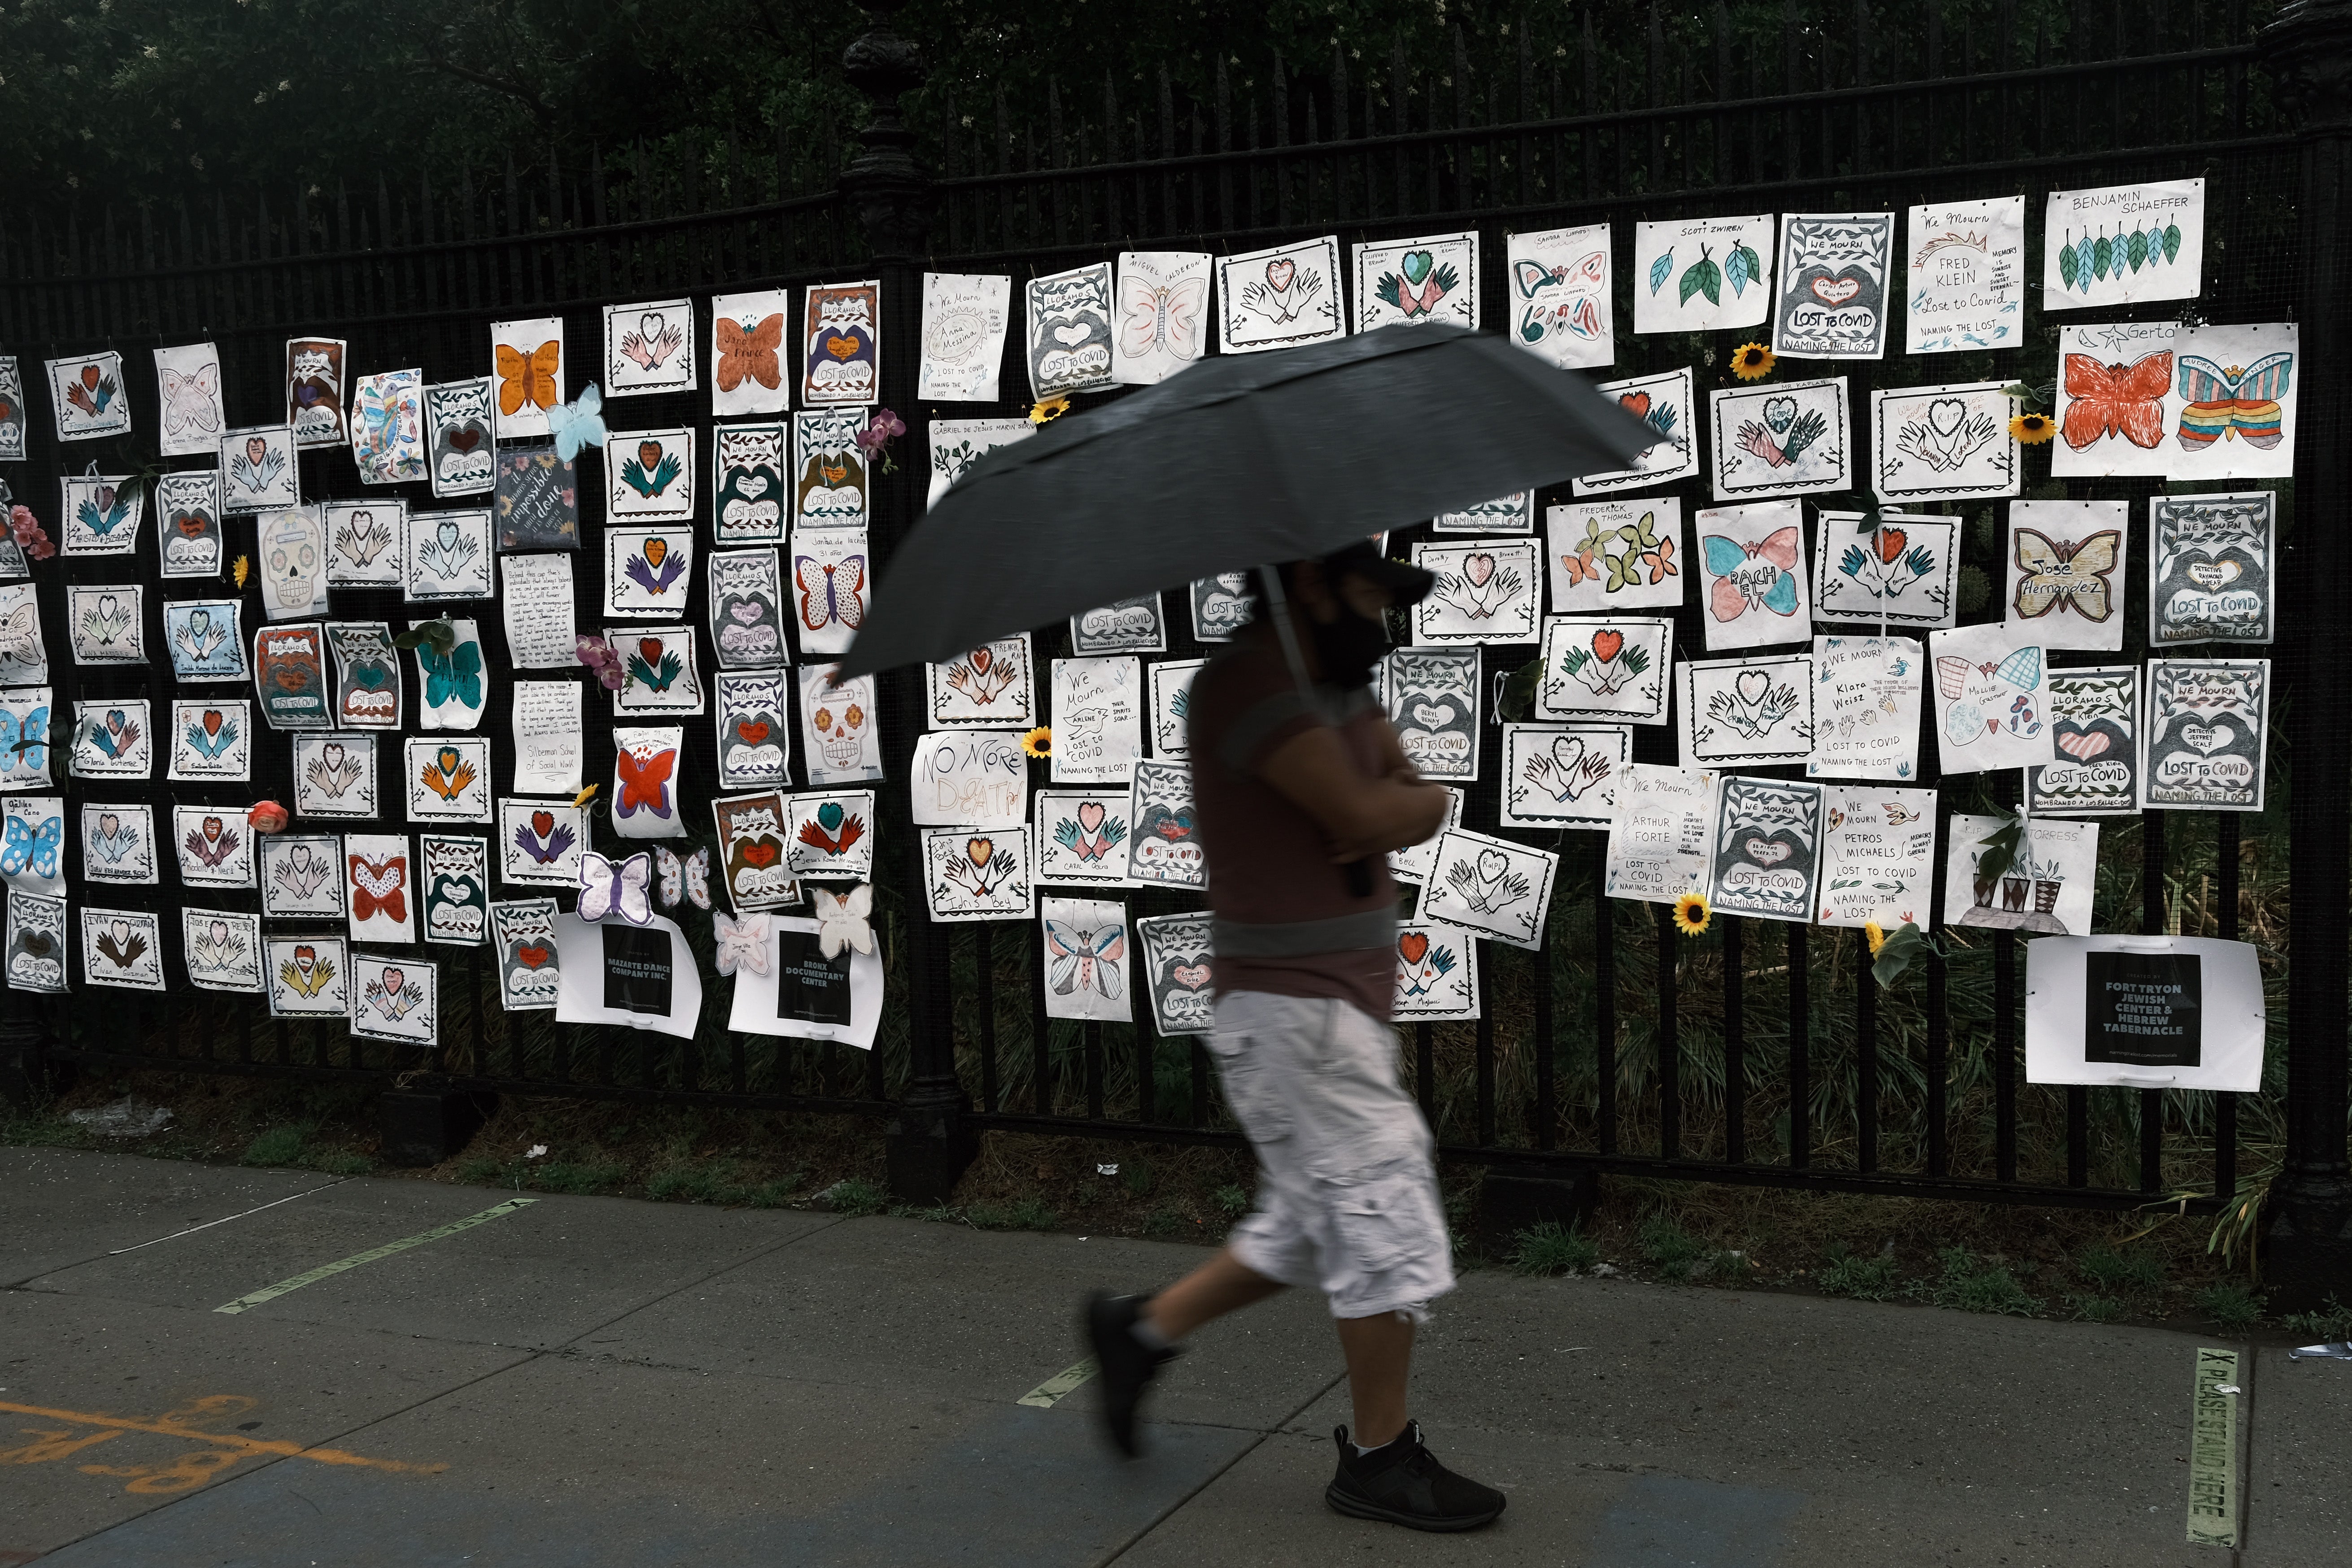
749	356
2124	400
528	378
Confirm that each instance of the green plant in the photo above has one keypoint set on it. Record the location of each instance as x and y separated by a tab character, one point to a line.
1232	1200
342	1163
2092	1308
1972	1284
482	1171
2332	1321
1137	1177
279	1146
1551	1248
585	1178
1025	1213
2230	1305
2115	1273
1858	1279
1678	1254
854	1195
1165	1221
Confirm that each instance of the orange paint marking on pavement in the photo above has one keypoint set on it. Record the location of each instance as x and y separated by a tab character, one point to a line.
52	1446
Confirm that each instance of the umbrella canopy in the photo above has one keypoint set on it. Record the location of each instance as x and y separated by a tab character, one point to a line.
1241	461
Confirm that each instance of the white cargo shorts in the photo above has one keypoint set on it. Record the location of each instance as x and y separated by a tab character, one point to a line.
1347	1197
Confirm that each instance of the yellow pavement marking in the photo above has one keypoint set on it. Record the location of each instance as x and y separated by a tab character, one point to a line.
1050	1393
229	1448
327	1270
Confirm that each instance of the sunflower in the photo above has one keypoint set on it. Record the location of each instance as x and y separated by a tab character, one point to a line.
1876	934
1753	361
1691	913
1039	742
2033	428
1048	410
583	797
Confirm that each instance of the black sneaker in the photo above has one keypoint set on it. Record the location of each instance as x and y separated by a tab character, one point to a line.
1125	1366
1403	1483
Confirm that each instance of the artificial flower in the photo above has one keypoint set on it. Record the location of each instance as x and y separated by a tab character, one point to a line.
2033	428
612	671
1691	913
583	797
1039	742
1046	410
1877	935
241	568
881	429
1753	361
267	816
30	537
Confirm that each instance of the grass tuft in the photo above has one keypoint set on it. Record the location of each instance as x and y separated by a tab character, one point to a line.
1677	1254
1023	1213
1972	1284
1551	1248
2333	1322
2229	1306
2113	1273
854	1195
587	1178
279	1146
2092	1308
1859	1278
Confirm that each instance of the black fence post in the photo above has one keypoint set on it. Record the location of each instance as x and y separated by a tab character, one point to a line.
929	1143
2309	50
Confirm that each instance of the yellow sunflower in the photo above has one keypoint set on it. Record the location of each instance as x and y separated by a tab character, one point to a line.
1046	410
1753	361
2033	428
1039	742
1691	913
584	796
1876	934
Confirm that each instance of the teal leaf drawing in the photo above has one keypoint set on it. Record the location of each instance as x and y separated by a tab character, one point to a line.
2136	252
1703	277
1660	270
2172	242
2102	256
2066	265
1740	267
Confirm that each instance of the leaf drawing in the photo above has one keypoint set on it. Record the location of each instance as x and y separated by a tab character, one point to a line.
1660	270
1741	267
1703	277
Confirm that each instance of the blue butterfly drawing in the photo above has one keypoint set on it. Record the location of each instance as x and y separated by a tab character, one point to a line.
458	673
37	848
25	742
579	422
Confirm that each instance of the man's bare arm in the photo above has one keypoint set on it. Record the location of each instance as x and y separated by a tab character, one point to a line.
1359	815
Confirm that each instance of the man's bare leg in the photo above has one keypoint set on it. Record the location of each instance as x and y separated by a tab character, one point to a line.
1380	1361
1223	1284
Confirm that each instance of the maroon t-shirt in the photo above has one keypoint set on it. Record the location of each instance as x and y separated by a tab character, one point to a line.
1270	870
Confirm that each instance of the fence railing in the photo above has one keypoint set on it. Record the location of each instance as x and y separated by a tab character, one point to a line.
1755	1054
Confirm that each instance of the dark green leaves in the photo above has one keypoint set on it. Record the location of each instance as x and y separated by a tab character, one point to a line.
1703	277
1999	853
1517	700
1903	948
437	634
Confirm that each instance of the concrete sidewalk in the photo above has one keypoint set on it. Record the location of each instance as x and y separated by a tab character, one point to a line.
595	1381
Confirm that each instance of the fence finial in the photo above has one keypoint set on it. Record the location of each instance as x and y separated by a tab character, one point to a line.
891	189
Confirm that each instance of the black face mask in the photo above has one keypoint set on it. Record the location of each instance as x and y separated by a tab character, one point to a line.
1349	648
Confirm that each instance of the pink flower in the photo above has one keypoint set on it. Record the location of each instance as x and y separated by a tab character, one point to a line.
603	659
25	528
267	816
881	429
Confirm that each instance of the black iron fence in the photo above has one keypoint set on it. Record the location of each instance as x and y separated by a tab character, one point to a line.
1760	1053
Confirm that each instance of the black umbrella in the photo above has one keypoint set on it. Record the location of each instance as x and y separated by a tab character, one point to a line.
1238	461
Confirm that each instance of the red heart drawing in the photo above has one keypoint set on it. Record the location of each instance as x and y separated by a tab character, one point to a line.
1090	815
1607	645
751	733
193	527
466	439
306	955
1890	544
212	721
532	957
1278	274
1191	976
1636	403
761	855
1413	946
650	649
978	850
89	376
2085	746
981	660
1836	290
1478	566
543	823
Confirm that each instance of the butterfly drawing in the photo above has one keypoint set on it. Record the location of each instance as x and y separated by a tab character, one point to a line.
2125	400
306	973
211	736
1084	958
2224	403
1488	884
20	635
114	735
1091	835
1758	576
1163	320
607	888
456	674
112	841
212	842
579	422
841	919
749	356
654	665
742	945
543	839
527	378
24	846
1577	311
650	343
831	592
379	887
1785	434
651	470
192	400
334	770
691	875
832	829
1419	282
121	946
653	568
447	775
256	468
645	782
103	509
91	392
2061	574
24	742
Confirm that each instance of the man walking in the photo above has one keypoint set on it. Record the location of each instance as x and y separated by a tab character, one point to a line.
1300	786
